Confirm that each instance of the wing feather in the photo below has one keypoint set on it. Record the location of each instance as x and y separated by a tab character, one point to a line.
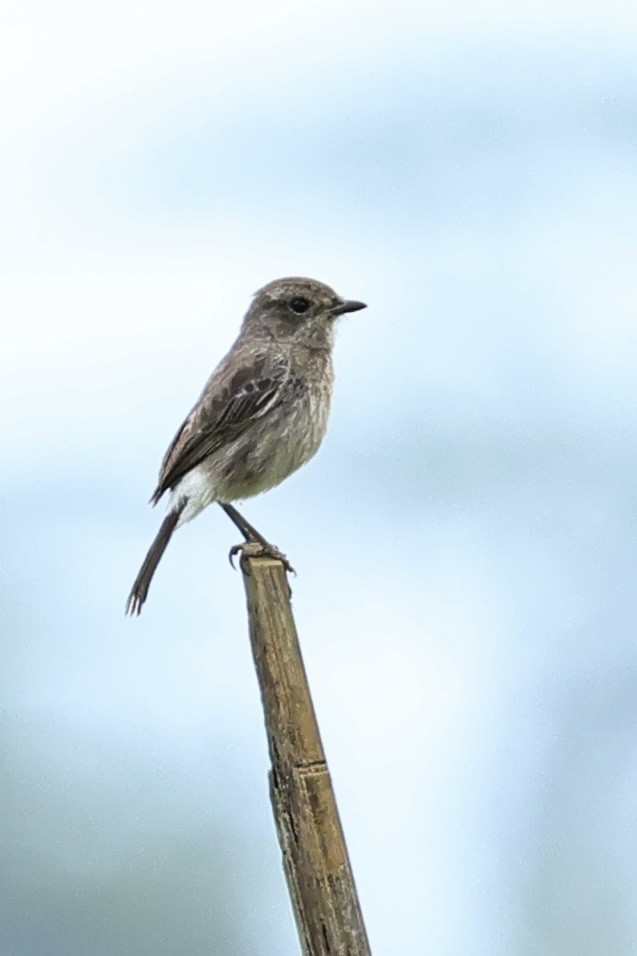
238	393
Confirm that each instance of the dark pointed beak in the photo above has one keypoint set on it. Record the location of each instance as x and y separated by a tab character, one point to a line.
349	305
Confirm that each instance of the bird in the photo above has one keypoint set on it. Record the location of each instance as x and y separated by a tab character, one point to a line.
262	414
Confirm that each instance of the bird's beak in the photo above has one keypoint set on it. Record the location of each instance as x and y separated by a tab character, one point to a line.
348	305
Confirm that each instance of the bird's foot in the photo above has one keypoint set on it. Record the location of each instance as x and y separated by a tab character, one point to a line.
258	549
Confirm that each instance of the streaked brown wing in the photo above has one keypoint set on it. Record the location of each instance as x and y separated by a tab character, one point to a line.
232	399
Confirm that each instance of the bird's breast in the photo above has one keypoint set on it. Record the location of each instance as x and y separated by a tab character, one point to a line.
280	442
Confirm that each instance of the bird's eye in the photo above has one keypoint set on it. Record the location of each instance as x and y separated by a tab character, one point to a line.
299	304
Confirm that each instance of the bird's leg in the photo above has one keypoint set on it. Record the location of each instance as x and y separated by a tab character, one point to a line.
247	530
259	546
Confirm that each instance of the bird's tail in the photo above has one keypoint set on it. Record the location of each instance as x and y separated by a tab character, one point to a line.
139	590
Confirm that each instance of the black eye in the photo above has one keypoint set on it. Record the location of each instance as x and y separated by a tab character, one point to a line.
300	305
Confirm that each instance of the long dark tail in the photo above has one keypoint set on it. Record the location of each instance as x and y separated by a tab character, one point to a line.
139	590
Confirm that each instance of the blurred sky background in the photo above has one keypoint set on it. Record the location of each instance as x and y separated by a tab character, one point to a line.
465	540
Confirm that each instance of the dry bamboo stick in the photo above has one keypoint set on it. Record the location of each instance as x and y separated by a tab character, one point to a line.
317	867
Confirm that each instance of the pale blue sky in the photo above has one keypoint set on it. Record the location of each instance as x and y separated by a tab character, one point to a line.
465	540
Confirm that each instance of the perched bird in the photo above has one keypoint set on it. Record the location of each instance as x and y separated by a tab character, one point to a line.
262	414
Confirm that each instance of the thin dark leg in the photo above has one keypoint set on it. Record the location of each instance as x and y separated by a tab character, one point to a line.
251	535
249	532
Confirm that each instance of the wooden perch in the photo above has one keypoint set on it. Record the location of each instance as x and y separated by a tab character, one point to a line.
317	867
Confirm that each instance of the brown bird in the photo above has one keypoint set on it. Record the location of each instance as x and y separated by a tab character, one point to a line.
262	414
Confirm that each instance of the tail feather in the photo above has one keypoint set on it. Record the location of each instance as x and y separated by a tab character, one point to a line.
139	591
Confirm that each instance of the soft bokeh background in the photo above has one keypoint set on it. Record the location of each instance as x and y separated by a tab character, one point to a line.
465	540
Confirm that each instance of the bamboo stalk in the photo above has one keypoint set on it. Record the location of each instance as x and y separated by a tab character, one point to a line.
317	867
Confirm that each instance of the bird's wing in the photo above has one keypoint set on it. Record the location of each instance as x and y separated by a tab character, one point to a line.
238	392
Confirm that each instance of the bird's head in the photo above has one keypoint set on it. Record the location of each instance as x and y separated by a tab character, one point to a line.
297	310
